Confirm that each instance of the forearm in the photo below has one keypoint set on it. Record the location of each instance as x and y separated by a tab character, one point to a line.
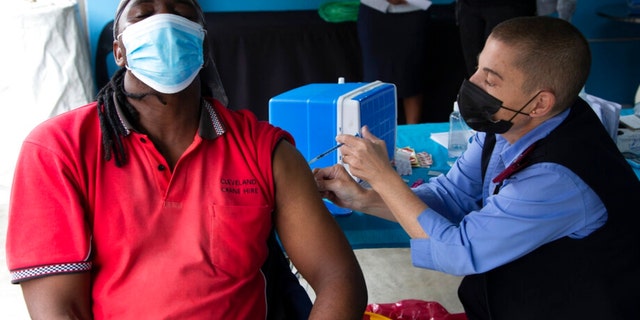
372	204
341	298
400	203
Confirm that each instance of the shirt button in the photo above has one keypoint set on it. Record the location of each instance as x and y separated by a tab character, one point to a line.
143	140
161	167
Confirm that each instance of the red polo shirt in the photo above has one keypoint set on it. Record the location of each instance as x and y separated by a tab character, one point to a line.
186	244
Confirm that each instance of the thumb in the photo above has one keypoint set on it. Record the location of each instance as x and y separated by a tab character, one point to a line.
366	133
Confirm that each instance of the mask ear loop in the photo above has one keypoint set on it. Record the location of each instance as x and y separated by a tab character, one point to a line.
210	78
524	106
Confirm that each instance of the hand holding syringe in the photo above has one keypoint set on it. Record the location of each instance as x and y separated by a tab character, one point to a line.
332	149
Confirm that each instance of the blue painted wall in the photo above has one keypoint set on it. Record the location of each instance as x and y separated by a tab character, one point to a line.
99	12
615	45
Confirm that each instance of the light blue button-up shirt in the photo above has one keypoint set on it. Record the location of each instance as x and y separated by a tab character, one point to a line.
472	231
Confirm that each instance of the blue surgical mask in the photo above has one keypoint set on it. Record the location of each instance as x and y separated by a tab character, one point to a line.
164	51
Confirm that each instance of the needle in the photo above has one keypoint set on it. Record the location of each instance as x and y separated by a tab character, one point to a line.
332	149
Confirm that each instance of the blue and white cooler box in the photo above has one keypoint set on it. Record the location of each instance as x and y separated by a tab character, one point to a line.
315	113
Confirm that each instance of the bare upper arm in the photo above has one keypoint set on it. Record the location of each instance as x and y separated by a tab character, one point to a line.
311	236
313	240
65	296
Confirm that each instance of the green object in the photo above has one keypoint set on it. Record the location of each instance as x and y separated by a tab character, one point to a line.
339	11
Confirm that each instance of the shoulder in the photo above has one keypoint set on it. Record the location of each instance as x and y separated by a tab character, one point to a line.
244	123
544	180
69	141
72	124
68	133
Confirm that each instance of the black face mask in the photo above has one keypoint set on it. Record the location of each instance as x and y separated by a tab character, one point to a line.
477	107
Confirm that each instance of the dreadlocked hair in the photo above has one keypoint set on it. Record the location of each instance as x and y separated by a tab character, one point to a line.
113	129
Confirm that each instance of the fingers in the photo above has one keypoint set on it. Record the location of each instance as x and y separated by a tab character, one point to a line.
362	148
328	181
366	133
347	139
357	142
325	176
369	136
327	173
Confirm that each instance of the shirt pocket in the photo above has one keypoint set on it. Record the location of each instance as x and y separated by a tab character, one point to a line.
239	238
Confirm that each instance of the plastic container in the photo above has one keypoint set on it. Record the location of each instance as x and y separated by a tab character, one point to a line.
458	135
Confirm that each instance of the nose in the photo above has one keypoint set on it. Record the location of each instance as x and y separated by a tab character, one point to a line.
163	7
474	78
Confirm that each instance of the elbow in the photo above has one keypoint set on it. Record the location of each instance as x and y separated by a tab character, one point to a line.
344	295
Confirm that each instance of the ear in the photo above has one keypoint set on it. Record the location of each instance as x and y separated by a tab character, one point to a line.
119	53
544	104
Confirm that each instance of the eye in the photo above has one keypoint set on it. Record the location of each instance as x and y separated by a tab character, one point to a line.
489	83
187	10
140	12
491	79
140	17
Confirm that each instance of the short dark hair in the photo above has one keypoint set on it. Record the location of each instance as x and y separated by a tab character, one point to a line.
554	55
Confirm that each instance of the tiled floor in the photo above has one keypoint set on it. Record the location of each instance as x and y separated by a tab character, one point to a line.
389	274
391	277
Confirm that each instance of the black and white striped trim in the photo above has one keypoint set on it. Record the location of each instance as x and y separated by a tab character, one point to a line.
41	271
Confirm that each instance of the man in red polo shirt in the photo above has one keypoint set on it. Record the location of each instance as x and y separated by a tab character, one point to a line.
155	203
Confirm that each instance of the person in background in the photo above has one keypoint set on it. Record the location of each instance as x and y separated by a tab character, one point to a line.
538	213
476	18
157	202
564	9
392	39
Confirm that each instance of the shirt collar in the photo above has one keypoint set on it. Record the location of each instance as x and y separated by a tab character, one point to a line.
510	152
210	127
